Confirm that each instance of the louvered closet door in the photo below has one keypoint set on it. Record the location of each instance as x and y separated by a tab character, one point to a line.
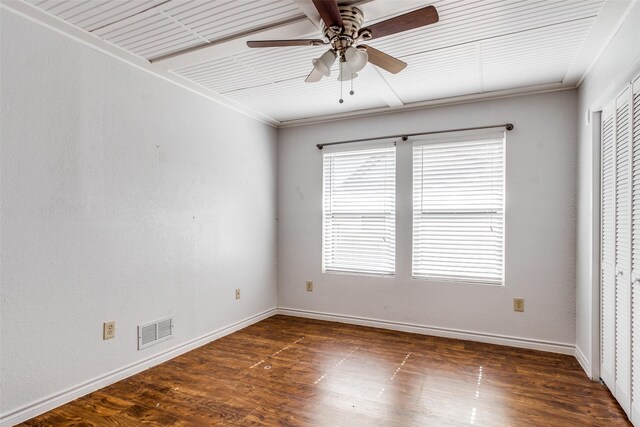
635	256
623	251
607	251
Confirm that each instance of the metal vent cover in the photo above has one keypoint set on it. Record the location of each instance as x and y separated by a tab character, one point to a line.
154	332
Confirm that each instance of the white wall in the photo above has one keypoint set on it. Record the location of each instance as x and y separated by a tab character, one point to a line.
540	225
615	67
123	197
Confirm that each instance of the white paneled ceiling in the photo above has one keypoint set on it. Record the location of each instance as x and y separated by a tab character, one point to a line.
477	47
152	28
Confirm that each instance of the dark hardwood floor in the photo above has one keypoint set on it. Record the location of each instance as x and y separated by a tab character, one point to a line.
287	371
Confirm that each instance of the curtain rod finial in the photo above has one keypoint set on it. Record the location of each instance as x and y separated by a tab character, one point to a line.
509	126
405	137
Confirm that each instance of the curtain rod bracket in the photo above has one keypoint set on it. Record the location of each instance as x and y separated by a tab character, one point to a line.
405	137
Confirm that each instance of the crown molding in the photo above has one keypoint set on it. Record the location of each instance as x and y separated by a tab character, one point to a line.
442	102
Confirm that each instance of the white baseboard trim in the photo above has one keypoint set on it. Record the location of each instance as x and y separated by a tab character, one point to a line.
582	360
54	400
550	346
47	403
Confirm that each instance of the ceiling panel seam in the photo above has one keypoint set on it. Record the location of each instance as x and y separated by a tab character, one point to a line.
130	16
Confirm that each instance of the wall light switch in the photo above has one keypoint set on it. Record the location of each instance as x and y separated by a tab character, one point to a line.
309	285
238	293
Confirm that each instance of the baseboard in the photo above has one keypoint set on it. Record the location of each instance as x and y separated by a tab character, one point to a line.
583	361
554	347
54	400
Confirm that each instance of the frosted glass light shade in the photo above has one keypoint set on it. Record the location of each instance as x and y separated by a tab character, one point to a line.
346	73
325	62
357	59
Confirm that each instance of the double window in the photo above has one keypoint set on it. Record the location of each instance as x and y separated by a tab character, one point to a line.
458	209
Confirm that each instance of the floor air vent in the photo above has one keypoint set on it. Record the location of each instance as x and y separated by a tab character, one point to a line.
154	332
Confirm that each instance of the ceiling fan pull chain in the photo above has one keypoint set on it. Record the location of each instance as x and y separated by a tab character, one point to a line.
341	100
351	92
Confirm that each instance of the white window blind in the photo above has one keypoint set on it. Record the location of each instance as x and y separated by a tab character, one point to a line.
458	209
358	233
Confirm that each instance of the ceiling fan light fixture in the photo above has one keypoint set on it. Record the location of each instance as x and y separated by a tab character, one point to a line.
356	58
346	73
325	62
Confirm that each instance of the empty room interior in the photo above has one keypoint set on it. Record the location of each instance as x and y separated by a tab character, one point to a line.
320	212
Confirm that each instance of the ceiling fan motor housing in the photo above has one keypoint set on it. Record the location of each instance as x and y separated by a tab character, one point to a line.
342	38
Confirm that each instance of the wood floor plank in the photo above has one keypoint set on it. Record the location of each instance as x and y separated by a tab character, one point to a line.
287	371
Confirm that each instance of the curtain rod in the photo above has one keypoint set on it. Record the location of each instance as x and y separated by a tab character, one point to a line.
405	136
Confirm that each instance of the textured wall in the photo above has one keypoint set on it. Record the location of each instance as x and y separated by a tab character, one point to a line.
123	197
539	233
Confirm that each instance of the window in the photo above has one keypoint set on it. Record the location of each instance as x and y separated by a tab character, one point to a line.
458	209
358	233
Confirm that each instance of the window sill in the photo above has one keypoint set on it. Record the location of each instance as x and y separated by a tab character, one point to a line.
354	273
458	281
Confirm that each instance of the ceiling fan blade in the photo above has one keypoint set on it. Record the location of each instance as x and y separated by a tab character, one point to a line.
284	43
384	61
329	12
314	76
408	21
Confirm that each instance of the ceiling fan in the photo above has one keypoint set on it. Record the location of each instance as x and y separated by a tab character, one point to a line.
343	30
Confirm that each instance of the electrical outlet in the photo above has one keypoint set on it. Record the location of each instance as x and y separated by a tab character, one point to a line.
309	285
109	330
238	293
518	304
